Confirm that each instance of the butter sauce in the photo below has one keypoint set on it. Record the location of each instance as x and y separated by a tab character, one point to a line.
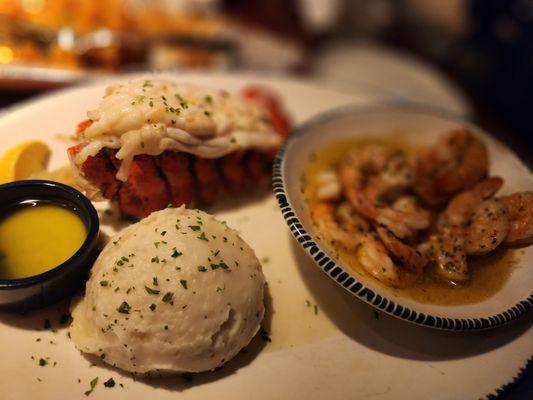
488	274
36	236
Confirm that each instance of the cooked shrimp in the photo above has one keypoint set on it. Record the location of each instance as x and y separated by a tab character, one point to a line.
323	216
373	257
456	162
349	220
372	174
448	253
411	258
353	235
461	208
404	218
520	208
488	227
329	186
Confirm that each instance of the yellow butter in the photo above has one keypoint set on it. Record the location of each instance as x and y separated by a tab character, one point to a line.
36	239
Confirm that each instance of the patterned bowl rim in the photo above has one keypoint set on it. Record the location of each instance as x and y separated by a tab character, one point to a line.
338	273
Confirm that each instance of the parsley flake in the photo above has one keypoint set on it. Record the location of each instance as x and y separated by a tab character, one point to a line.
203	237
167	297
93	385
175	253
124	308
109	383
151	291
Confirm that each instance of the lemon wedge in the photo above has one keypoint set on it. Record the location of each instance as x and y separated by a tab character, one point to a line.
23	160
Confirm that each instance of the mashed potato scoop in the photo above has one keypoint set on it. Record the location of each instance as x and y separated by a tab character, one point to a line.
178	291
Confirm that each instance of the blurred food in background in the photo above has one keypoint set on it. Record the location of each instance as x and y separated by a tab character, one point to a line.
77	35
383	50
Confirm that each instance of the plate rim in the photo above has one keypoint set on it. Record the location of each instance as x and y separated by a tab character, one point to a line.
344	278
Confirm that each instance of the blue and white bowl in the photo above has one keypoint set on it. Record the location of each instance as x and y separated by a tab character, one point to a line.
417	125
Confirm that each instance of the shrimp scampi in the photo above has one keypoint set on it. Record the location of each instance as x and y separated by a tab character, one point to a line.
407	217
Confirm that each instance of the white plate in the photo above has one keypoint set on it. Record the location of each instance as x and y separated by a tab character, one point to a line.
345	350
417	126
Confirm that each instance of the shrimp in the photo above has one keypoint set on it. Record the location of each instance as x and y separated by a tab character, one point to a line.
488	227
373	257
352	233
458	161
520	208
373	174
411	258
461	208
323	216
349	220
447	251
404	218
329	186
480	220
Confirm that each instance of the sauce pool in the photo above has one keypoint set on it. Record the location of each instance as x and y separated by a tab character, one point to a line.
488	273
36	237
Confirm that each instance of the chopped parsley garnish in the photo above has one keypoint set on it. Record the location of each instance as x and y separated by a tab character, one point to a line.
223	265
151	103
93	385
194	227
124	308
139	99
154	280
175	253
42	362
201	268
164	232
142	145
153	307
104	283
183	283
155	259
203	237
109	383
167	297
151	291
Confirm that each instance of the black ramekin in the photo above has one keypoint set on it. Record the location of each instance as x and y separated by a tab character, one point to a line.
66	278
